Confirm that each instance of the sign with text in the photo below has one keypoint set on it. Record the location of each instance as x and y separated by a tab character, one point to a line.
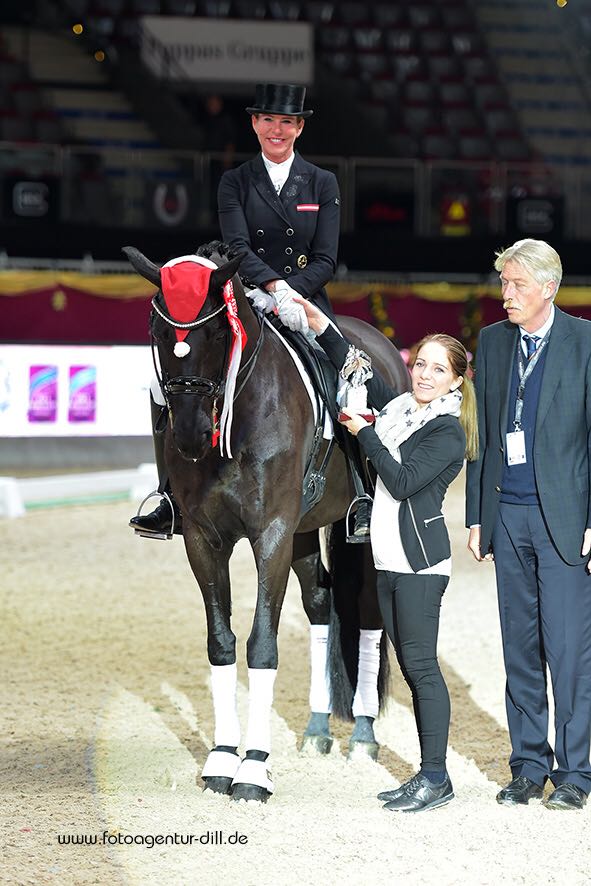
535	216
30	199
213	50
65	391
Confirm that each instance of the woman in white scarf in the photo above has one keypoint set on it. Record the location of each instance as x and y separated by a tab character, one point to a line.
417	448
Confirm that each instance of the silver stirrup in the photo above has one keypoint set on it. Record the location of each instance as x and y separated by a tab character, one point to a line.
351	538
145	533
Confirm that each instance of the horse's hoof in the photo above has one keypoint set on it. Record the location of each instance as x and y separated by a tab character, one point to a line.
218	784
253	780
243	791
363	750
316	744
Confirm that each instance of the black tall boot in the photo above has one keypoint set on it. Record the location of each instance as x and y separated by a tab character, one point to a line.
362	501
159	523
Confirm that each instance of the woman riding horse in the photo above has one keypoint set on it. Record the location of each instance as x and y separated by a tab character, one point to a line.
283	214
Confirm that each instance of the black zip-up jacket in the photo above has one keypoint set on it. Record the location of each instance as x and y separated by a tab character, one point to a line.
431	458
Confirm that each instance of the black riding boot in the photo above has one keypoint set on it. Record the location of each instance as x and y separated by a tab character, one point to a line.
362	501
159	522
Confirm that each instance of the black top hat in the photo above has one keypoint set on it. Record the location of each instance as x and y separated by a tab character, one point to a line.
279	98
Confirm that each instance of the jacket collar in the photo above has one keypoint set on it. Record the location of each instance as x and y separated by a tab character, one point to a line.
264	185
299	176
556	356
297	179
506	349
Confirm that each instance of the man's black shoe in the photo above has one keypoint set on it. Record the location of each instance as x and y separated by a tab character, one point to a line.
519	792
419	794
566	796
159	522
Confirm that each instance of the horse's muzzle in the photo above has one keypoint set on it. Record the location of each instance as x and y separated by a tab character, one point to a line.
195	445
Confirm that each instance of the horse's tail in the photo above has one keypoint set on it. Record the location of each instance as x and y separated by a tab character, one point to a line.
348	567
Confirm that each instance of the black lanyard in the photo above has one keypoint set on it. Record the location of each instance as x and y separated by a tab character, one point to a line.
524	373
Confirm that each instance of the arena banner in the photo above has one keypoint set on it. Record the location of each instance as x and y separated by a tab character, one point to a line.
67	307
228	51
67	391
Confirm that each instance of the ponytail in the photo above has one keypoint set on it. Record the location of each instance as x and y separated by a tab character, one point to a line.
469	418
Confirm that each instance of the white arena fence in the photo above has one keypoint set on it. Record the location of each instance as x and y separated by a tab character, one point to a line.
19	495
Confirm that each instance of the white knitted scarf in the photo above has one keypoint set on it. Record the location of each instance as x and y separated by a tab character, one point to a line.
402	416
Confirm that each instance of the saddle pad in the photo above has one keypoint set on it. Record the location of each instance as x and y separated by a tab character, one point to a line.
328	431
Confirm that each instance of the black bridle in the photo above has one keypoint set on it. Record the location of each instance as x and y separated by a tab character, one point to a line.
194	384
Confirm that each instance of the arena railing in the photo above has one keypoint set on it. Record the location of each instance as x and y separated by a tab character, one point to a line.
122	186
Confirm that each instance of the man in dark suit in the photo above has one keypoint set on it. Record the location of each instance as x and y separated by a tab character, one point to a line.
529	509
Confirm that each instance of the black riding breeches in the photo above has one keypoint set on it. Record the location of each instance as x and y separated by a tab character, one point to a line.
410	607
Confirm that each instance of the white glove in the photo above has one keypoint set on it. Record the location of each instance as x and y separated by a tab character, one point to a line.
261	299
290	313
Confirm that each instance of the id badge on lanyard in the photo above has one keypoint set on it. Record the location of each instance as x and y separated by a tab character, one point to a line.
516	448
516	439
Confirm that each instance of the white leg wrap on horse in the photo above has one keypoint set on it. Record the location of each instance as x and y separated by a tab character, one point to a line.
319	682
254	772
156	392
223	690
260	702
365	703
221	764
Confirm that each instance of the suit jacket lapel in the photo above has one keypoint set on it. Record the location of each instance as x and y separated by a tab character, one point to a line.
556	359
505	357
298	178
265	188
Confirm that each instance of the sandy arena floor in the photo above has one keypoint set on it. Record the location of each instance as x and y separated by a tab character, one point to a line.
107	722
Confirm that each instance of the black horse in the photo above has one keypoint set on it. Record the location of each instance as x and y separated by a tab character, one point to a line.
249	484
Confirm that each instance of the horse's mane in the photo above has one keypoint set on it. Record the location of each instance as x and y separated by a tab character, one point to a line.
206	250
221	249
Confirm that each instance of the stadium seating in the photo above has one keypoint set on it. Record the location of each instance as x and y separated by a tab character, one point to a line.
24	113
420	73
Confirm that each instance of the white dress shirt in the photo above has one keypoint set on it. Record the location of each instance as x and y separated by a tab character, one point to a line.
278	172
539	333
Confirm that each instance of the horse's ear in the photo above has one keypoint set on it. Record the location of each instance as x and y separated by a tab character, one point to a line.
224	273
143	265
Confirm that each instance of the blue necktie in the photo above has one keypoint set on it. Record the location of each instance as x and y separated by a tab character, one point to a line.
531	343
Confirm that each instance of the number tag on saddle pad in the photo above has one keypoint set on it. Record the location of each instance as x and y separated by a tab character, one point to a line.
308	207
